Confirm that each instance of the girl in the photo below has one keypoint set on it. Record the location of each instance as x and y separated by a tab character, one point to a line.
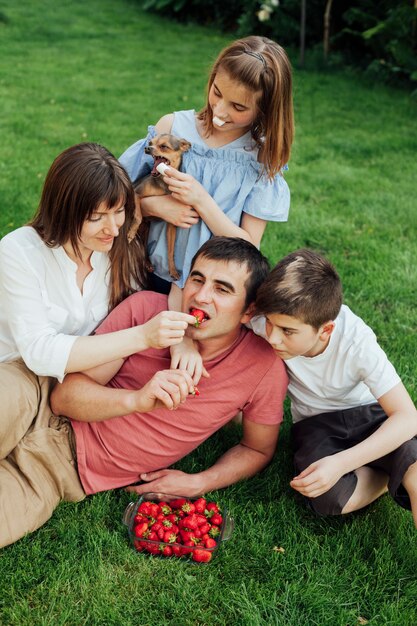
232	183
60	275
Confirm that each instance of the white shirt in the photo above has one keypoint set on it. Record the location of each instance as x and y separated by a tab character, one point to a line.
352	371
42	310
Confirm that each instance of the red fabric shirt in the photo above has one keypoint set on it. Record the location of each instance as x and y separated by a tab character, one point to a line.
247	377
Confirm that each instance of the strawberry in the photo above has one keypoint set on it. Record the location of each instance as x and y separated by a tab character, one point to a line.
177	550
190	522
188	535
214	531
140	518
216	519
187	547
212	506
139	546
152	548
182	505
165	508
152	536
144	508
201	556
141	529
170	537
165	550
204	528
210	543
200	505
199	316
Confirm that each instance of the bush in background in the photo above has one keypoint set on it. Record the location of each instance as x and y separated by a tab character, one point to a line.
379	36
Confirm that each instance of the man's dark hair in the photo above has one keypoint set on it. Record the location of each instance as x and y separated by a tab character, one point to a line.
304	285
242	252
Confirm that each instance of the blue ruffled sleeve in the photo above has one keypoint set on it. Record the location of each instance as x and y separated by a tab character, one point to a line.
135	161
269	200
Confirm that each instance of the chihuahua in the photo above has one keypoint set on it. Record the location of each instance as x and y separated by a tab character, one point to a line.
166	149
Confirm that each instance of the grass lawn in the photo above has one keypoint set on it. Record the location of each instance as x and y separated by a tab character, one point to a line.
102	70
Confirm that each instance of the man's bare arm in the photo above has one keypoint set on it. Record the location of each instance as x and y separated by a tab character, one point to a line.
250	456
84	399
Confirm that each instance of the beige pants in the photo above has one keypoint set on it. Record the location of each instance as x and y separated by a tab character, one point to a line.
37	466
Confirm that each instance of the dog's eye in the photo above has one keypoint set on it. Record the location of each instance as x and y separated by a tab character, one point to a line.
164	147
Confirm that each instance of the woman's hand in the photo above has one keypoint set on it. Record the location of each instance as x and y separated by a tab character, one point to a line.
185	356
166	329
170	210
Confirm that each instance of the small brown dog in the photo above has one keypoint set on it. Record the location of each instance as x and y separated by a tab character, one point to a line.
167	149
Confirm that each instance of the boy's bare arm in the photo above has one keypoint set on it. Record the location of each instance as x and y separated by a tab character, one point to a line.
400	426
250	456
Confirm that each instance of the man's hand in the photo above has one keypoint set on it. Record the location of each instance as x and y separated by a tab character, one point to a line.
172	482
167	388
318	477
166	329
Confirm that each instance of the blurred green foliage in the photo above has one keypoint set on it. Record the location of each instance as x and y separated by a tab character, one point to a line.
379	36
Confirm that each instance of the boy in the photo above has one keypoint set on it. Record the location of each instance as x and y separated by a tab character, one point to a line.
355	425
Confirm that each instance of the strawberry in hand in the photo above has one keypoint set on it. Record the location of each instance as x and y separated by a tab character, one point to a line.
199	315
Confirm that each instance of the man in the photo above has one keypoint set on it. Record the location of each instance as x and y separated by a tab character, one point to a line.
131	419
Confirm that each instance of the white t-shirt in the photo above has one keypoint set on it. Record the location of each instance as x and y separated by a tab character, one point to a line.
352	371
42	310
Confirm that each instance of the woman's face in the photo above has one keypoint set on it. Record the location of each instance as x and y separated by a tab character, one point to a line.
98	232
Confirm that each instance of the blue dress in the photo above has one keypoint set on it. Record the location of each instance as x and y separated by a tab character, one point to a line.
231	175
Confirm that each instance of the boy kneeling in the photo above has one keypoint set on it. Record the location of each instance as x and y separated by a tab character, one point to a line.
355	425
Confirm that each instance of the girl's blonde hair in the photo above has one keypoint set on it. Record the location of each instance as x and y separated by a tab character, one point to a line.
261	65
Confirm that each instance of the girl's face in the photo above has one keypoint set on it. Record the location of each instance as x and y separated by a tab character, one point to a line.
233	103
98	232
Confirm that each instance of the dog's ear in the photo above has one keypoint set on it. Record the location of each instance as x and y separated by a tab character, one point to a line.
184	145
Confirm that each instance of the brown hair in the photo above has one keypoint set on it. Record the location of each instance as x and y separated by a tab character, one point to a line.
78	181
261	65
241	252
303	285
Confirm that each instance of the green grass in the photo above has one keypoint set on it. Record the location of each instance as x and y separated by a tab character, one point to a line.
102	71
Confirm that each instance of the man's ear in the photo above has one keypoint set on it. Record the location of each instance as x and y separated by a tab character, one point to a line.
248	314
326	330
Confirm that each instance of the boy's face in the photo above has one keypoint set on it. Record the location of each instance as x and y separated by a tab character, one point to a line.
290	337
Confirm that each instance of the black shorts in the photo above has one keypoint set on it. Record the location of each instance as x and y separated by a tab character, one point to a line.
328	433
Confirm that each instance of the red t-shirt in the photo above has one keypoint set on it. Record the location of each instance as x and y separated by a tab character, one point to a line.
247	377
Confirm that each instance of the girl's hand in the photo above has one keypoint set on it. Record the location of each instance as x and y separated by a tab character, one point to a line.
185	356
170	210
185	188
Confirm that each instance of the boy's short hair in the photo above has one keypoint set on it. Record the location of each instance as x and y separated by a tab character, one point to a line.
242	252
304	285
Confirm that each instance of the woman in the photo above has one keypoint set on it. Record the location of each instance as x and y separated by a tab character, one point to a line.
59	277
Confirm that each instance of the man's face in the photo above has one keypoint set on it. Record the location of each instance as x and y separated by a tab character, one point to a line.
290	337
218	289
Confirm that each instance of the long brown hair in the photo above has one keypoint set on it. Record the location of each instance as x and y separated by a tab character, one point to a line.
78	181
261	65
